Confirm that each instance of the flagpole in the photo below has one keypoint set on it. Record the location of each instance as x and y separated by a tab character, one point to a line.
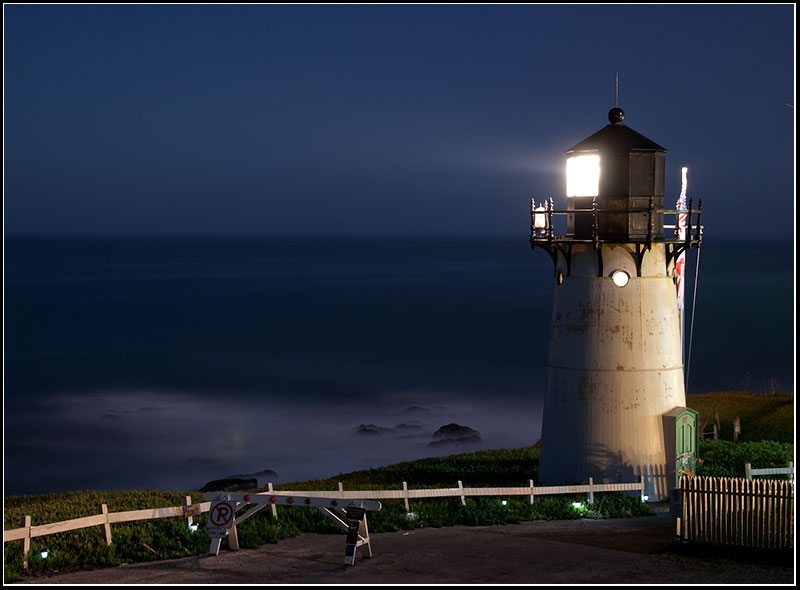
680	263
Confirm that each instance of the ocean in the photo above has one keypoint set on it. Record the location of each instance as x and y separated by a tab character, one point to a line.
166	362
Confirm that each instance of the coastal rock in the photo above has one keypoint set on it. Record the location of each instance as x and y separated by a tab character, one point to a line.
455	434
408	426
229	485
372	429
241	481
263	477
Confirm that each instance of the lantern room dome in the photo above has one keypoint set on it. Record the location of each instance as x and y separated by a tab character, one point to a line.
615	185
616	137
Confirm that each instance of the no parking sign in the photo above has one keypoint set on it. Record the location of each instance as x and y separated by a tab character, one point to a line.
220	518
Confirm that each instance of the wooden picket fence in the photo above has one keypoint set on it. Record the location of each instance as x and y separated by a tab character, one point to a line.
737	512
189	509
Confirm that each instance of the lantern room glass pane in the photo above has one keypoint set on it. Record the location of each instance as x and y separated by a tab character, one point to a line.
583	176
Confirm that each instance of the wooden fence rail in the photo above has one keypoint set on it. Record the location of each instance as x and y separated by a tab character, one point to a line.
749	472
189	510
738	512
530	490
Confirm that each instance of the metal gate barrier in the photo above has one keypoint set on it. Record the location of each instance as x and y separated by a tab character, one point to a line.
222	519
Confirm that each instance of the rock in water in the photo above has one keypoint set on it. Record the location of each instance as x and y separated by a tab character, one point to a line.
373	429
230	485
455	433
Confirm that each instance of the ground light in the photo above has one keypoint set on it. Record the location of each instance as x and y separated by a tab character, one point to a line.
44	554
504	502
193	527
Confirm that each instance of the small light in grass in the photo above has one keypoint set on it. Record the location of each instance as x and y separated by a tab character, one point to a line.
44	554
193	527
411	515
504	502
645	498
577	505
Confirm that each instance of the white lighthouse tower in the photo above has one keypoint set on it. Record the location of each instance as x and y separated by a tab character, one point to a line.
615	366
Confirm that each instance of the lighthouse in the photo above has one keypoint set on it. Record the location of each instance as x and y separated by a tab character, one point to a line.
615	378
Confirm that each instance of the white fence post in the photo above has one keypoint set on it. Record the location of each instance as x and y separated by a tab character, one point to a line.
461	493
106	525
530	485
274	508
405	496
590	499
187	501
26	541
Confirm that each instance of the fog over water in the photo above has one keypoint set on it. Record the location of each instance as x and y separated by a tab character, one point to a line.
166	363
171	441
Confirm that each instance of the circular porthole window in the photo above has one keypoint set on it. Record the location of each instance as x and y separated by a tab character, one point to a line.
620	278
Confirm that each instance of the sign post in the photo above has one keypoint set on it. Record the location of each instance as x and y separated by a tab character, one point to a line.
222	518
676	509
356	525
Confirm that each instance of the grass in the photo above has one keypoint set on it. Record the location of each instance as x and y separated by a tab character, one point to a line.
495	468
762	417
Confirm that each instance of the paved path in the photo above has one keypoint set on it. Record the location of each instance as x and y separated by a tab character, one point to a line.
612	551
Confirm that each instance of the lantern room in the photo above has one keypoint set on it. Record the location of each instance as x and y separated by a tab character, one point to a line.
615	176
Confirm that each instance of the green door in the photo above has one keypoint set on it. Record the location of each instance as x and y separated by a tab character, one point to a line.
685	443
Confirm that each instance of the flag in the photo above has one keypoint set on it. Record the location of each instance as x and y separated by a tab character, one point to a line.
680	263
682	220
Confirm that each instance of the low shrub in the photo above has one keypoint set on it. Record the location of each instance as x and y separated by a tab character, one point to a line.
724	458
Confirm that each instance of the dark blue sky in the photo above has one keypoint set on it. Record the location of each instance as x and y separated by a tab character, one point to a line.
264	119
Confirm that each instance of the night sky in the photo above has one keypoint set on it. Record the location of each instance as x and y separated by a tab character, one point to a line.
405	119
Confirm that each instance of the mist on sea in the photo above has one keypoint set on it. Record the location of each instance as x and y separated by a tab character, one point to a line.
167	362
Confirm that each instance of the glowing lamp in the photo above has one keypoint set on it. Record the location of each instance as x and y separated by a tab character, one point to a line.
539	219
44	554
583	176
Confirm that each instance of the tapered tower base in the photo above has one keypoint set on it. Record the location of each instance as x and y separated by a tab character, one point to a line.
614	368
